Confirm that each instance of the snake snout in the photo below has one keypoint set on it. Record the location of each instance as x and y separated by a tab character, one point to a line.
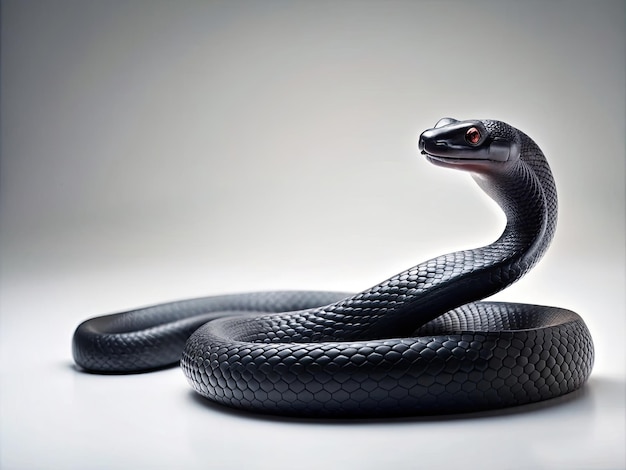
424	136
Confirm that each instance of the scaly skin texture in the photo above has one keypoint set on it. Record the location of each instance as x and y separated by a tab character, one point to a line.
417	343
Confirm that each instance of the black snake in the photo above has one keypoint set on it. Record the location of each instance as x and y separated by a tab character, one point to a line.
417	343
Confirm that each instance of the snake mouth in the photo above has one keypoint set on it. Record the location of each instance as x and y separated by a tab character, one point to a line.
457	162
431	157
442	157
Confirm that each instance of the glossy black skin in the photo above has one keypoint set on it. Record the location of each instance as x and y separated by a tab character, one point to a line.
417	343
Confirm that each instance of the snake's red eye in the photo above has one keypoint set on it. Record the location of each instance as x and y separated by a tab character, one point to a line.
472	135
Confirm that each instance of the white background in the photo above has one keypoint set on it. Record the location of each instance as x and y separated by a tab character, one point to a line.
156	150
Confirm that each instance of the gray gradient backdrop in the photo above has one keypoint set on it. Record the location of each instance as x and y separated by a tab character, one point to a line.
155	150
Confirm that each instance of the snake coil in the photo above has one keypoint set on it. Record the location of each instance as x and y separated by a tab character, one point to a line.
420	342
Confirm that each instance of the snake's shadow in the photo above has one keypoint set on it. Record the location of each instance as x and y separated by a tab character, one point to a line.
581	396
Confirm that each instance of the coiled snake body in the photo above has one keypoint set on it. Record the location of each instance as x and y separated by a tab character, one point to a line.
417	343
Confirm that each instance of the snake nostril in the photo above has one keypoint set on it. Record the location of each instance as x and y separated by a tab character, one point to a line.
420	144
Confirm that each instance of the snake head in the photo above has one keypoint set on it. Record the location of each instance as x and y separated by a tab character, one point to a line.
473	145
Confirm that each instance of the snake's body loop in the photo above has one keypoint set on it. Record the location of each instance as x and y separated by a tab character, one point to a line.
419	342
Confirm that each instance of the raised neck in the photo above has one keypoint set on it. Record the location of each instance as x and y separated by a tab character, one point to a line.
410	299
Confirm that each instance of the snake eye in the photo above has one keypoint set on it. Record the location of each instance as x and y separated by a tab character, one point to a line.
472	136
